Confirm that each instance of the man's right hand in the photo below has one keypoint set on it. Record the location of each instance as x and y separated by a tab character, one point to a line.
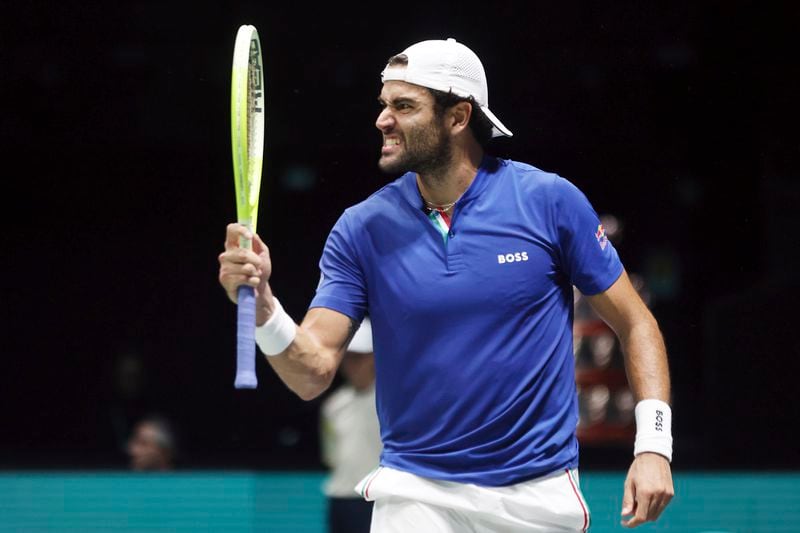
240	266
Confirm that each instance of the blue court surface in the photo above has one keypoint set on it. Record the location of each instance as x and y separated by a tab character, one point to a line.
292	502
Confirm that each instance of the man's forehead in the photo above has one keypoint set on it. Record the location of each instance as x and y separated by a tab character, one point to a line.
393	90
148	430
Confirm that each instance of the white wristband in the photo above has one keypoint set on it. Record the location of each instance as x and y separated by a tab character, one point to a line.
653	428
277	333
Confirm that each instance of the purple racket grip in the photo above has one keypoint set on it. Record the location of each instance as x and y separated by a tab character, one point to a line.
246	339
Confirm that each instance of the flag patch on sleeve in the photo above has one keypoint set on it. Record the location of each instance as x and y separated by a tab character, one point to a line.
600	234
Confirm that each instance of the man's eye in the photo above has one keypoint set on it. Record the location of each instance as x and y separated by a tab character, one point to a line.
398	106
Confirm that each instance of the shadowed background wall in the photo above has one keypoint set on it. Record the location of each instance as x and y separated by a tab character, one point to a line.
675	118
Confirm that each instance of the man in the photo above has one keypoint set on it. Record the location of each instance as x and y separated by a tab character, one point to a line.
152	446
466	266
351	440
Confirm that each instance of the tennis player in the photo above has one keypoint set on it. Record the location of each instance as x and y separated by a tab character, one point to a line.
466	266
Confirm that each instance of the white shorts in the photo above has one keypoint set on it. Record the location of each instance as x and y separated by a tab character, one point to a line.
406	502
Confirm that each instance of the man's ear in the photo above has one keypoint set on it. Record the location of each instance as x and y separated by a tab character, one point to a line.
459	115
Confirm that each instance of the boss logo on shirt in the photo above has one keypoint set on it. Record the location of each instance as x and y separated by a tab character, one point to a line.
511	258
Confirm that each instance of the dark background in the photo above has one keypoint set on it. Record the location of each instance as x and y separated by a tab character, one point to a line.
676	117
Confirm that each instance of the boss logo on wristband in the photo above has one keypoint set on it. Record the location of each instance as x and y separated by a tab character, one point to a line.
653	428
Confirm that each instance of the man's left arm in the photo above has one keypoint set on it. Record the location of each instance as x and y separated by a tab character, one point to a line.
648	486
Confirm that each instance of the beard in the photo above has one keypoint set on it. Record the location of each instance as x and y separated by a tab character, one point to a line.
427	149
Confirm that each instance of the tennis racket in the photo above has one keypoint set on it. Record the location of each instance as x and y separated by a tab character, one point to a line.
247	136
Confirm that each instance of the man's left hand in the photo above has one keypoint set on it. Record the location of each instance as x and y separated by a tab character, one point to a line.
648	489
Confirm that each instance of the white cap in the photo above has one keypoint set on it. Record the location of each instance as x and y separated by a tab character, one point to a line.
362	340
447	66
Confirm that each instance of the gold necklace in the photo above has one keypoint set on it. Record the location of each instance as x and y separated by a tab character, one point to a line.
439	207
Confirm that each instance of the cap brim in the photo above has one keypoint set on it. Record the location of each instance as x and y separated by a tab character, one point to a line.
499	130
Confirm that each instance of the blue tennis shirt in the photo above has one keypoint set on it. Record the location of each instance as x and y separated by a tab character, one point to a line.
473	336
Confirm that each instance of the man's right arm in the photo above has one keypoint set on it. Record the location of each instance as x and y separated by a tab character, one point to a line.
309	364
310	361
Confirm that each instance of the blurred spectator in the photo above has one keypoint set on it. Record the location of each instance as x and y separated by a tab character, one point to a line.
152	446
351	443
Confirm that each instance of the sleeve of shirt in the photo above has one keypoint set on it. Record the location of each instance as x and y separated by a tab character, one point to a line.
341	285
588	258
